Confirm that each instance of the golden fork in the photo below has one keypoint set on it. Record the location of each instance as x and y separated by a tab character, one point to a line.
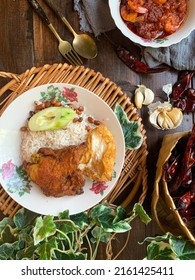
83	44
64	47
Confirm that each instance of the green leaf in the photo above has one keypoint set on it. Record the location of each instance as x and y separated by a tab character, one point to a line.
44	228
27	253
100	209
8	250
139	210
81	219
131	132
46	249
120	214
8	235
180	247
71	256
183	248
157	238
109	219
64	223
159	251
67	227
24	218
6	221
99	234
64	215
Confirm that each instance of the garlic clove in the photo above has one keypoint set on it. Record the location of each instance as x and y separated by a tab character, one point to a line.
176	116
153	119
160	120
170	124
141	88
165	125
148	96
139	98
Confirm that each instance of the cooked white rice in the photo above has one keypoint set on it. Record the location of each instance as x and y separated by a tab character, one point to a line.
32	141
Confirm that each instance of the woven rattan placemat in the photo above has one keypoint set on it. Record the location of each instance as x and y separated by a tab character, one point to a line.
133	179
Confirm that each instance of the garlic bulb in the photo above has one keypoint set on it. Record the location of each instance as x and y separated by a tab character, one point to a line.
164	116
143	96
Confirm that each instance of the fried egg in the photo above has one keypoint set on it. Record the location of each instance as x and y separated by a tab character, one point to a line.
98	160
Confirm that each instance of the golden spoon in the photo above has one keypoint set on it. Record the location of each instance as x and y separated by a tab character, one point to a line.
83	44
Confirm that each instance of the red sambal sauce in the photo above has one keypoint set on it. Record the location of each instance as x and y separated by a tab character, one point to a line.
153	19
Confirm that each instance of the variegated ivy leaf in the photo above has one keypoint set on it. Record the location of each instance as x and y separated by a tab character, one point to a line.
98	234
23	218
159	251
8	250
72	256
109	219
183	248
44	228
26	253
64	215
168	246
121	214
81	219
6	221
139	210
7	235
46	249
66	227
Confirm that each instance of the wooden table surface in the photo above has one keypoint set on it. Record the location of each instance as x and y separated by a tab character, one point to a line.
26	42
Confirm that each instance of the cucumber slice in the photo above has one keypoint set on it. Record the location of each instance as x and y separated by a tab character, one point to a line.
51	118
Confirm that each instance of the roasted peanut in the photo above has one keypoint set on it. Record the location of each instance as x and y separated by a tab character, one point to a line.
53	101
90	120
40	107
96	122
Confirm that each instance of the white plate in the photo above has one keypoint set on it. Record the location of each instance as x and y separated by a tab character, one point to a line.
12	178
181	33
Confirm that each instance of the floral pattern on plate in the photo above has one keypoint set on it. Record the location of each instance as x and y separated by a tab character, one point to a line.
64	96
15	178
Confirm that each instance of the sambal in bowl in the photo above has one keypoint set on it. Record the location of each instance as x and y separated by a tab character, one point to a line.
154	23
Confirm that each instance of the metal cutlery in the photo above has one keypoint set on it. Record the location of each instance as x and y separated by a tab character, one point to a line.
64	47
83	44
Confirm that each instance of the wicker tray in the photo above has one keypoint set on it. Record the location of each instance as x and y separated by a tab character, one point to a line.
133	179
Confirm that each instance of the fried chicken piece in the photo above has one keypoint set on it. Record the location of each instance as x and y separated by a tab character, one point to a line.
56	171
98	160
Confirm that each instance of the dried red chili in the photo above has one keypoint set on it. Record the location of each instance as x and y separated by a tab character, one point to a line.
171	169
184	201
187	214
182	95
135	64
187	163
181	85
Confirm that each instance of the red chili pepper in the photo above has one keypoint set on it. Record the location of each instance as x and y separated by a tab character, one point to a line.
187	214
187	180
184	201
190	93
187	101
192	190
185	104
171	169
135	64
181	85
188	161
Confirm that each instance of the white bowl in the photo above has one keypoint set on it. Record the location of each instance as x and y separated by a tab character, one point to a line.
181	33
